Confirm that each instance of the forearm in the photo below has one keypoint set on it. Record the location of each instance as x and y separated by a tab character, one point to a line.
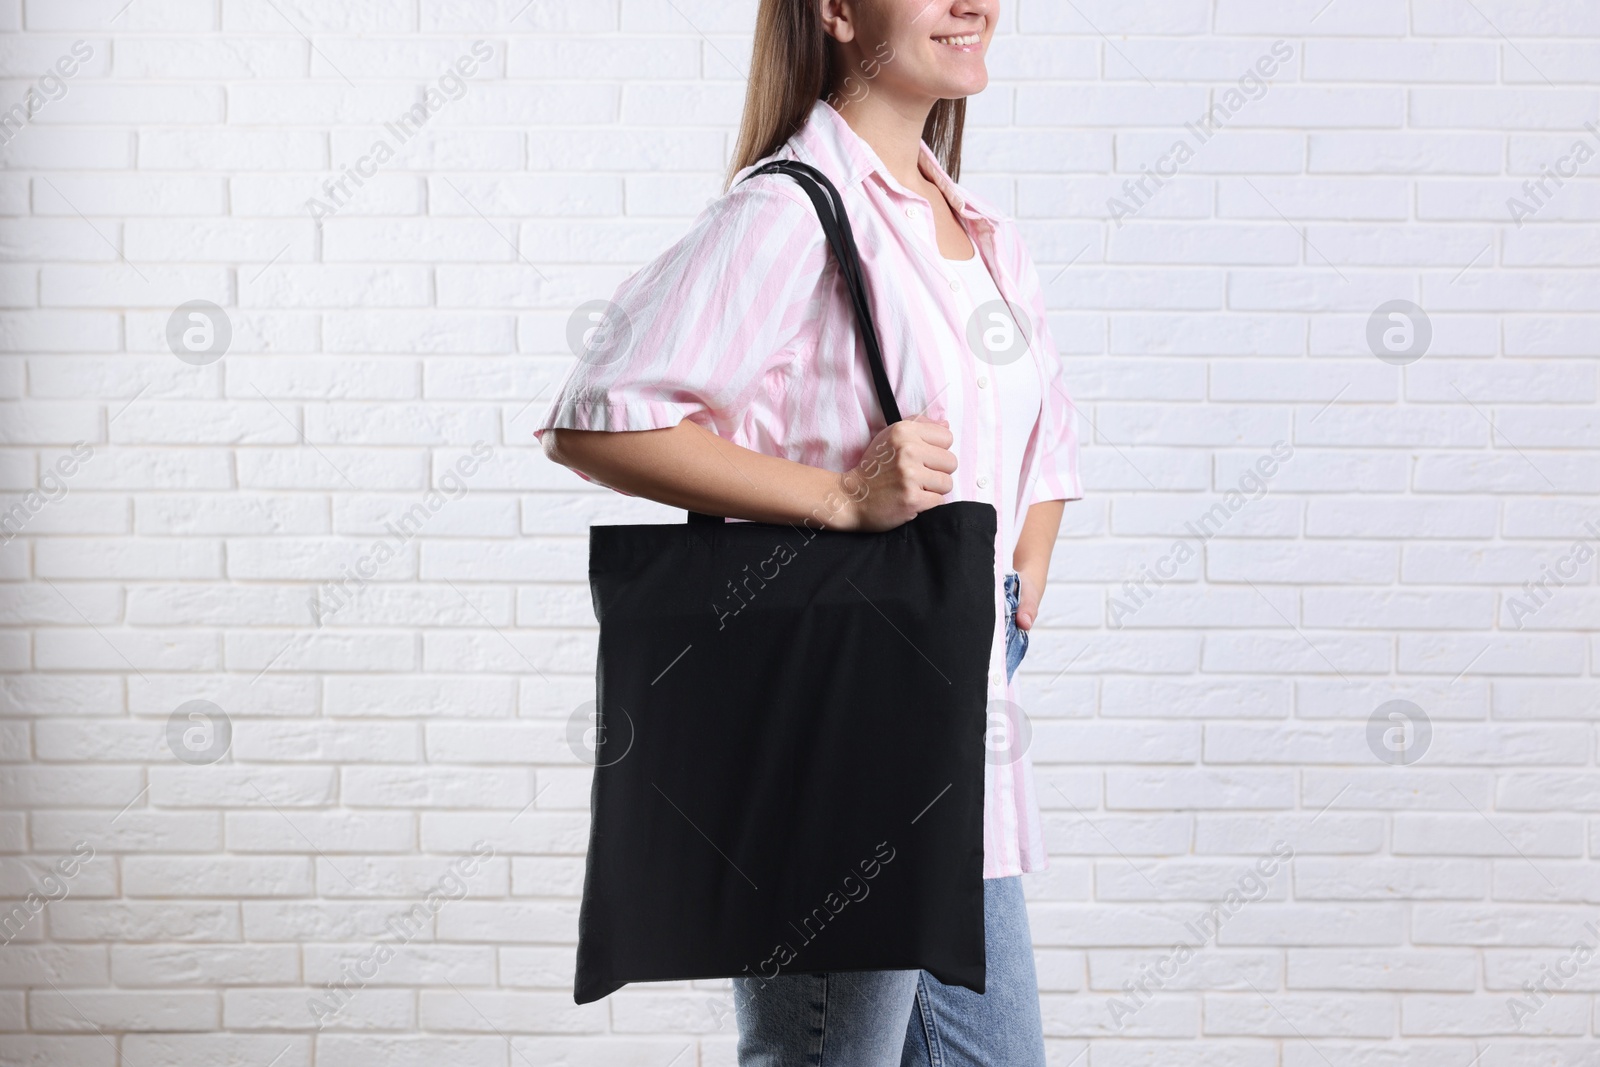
1031	559
688	467
1038	539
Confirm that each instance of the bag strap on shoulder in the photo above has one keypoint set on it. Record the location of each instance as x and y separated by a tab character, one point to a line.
841	238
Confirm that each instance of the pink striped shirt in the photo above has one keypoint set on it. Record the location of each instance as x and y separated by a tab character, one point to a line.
744	326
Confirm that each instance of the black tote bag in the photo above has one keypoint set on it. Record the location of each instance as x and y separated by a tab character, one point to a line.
790	755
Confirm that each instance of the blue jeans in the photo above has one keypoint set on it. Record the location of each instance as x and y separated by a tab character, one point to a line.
1016	640
903	1018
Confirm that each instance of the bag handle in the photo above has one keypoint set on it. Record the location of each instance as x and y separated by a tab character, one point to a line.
841	238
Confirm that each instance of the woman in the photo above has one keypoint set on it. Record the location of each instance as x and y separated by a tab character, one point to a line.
731	364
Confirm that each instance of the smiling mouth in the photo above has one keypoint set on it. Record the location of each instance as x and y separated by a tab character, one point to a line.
965	40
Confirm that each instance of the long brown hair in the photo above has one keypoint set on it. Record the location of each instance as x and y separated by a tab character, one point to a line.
794	64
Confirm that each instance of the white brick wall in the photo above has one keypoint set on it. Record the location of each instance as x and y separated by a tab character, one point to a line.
1180	733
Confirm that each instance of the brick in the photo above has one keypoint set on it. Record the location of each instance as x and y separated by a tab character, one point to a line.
1404	61
1335	152
1484	835
1334	968
90	1010
1495	17
1422	1014
1367	18
1165	17
319	16
1287	1014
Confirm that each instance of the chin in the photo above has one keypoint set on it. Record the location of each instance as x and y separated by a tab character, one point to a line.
975	86
957	88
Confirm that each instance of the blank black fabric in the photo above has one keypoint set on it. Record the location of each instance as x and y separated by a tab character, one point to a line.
790	759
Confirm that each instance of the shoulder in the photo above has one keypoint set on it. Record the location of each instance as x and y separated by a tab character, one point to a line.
760	238
774	198
767	220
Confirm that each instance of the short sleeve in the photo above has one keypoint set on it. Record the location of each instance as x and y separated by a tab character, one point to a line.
693	334
1056	467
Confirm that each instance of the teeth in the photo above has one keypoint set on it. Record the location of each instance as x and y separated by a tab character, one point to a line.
971	38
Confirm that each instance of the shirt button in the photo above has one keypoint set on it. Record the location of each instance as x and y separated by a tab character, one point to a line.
983	481
955	283
983	382
913	213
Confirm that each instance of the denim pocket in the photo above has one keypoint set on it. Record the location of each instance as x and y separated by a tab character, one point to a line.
1016	640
